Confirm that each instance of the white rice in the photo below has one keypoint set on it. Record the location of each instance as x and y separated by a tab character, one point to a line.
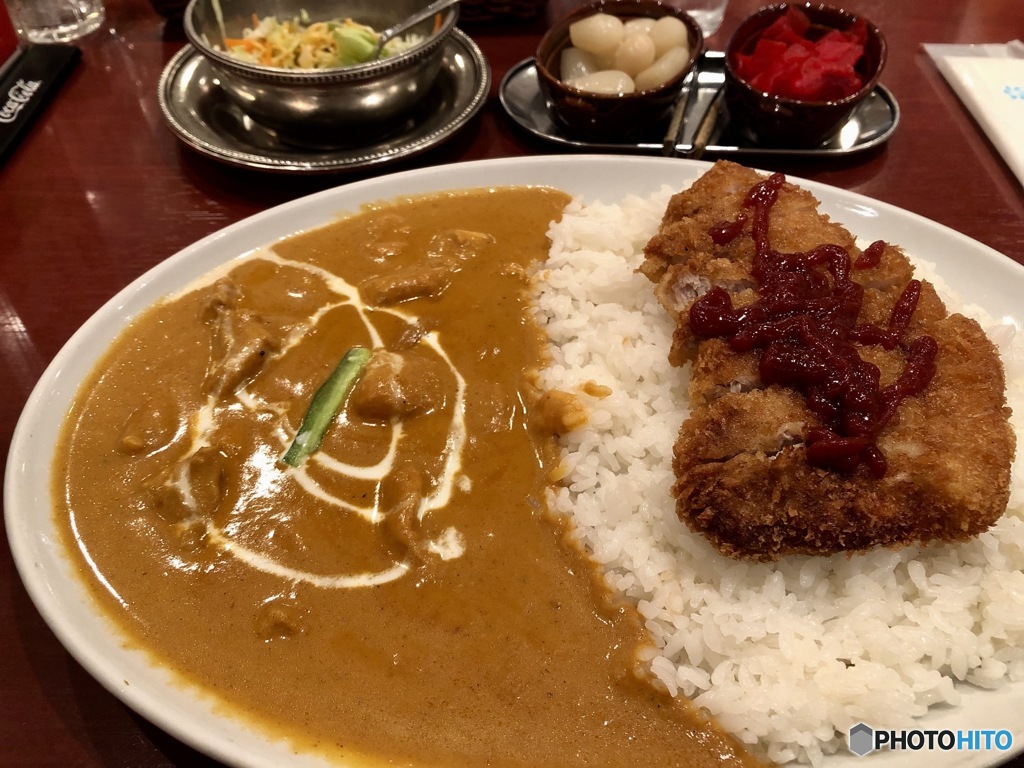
786	656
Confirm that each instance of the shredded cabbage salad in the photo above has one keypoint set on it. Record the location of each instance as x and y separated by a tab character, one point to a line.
298	44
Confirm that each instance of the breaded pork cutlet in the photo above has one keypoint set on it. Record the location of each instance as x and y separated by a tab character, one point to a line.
835	404
684	260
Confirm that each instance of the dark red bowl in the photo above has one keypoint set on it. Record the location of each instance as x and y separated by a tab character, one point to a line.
604	116
774	121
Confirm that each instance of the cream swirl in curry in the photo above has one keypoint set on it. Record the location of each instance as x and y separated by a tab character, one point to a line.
244	350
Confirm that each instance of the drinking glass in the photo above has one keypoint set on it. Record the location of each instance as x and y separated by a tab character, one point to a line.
707	13
55	21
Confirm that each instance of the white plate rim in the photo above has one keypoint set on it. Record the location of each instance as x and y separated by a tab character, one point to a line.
981	274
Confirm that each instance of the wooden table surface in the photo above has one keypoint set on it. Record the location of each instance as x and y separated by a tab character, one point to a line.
101	190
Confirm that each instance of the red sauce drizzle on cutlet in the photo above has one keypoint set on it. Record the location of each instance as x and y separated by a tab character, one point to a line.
804	324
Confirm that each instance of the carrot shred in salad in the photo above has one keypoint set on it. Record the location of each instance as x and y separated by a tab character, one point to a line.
299	44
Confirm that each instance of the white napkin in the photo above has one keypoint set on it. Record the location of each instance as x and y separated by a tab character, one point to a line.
989	79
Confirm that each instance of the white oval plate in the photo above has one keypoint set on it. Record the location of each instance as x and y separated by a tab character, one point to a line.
980	274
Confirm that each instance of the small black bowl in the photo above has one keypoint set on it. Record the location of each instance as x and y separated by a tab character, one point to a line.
606	116
774	121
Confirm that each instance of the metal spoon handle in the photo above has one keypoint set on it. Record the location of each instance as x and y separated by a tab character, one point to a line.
396	29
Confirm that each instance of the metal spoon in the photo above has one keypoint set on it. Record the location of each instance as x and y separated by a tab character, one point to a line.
396	29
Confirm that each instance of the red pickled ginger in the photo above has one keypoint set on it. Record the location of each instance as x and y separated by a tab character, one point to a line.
787	62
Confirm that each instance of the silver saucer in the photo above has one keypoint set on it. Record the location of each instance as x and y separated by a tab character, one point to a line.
699	125
202	116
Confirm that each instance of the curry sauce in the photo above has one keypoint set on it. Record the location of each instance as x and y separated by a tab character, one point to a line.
403	597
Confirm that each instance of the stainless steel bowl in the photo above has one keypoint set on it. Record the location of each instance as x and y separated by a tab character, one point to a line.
322	107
